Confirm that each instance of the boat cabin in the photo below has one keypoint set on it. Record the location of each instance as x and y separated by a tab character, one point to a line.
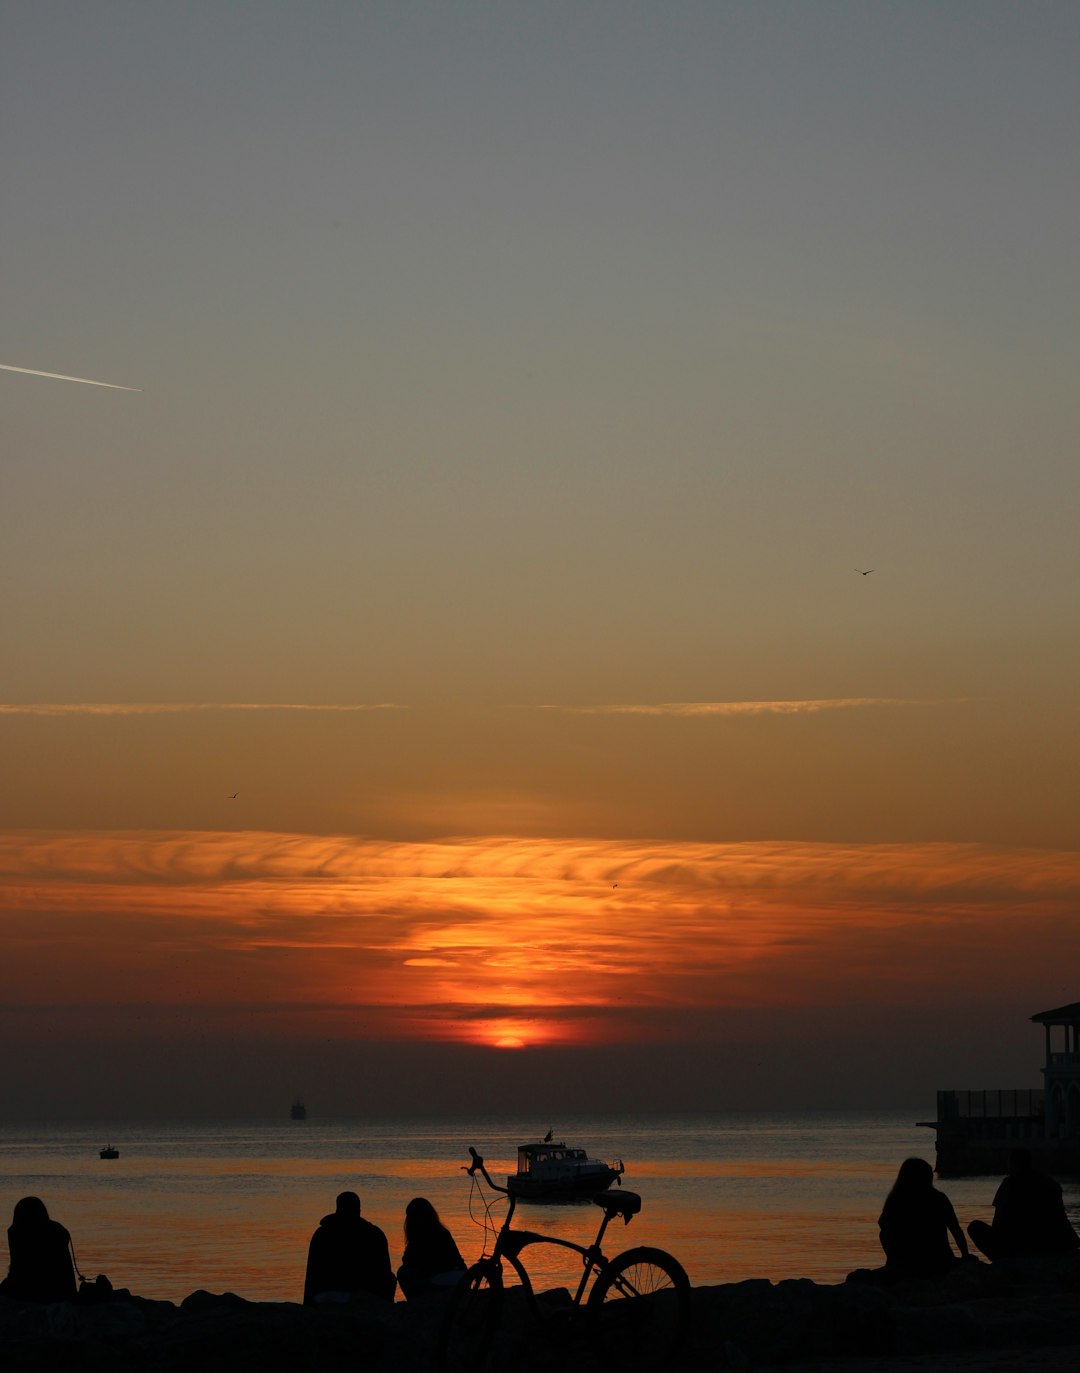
542	1156
549	1169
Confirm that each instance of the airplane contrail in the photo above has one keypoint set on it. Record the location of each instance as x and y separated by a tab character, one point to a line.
59	376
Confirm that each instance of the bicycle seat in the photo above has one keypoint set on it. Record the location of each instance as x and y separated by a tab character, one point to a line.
619	1203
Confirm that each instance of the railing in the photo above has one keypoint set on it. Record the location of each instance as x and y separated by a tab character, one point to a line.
1019	1103
1063	1060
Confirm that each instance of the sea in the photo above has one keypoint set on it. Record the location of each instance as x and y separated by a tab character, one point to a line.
230	1206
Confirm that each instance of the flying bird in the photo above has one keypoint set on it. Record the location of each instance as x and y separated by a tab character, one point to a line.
233	795
60	376
864	571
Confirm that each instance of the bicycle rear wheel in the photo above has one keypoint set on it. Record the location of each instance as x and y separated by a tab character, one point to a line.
471	1320
639	1310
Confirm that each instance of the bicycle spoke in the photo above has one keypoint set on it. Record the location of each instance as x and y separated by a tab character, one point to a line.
639	1309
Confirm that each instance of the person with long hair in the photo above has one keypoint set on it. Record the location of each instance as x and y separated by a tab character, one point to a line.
432	1258
915	1224
41	1268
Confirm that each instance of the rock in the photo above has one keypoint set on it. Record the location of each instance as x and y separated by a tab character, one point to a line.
934	1330
758	1322
735	1326
201	1300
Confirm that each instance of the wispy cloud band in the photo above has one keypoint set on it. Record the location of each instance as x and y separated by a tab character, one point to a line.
696	708
900	874
677	709
176	708
497	938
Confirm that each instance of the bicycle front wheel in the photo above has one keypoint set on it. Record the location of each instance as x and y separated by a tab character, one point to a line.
639	1310
471	1319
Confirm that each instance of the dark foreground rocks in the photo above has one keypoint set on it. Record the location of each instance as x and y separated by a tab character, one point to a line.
737	1326
1020	1305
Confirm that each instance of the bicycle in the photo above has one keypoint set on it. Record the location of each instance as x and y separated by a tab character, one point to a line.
636	1313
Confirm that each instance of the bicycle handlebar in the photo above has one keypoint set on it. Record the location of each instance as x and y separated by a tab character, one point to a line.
477	1166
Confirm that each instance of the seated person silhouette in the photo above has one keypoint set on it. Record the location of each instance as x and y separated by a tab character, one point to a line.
915	1224
1029	1215
432	1259
41	1265
347	1255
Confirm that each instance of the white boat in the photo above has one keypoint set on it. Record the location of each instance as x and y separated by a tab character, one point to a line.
551	1171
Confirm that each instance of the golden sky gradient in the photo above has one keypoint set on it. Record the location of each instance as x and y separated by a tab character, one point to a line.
590	567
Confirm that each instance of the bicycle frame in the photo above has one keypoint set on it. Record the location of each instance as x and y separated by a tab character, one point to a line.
509	1242
636	1312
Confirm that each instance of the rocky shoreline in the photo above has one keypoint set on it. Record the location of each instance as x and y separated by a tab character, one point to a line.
981	1316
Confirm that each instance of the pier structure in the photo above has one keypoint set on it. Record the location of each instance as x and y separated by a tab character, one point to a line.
1061	1074
977	1130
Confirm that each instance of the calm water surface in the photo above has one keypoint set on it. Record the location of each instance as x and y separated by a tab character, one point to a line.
231	1206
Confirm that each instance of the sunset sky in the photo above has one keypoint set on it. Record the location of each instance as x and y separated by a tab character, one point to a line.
450	681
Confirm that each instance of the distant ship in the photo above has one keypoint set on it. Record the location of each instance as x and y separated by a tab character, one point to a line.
109	1152
299	1110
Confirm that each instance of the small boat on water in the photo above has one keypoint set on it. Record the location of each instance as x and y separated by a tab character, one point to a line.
109	1152
551	1171
298	1111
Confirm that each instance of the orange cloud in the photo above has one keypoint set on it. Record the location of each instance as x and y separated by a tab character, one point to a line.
500	939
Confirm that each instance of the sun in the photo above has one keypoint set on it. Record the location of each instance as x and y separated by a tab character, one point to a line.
518	1032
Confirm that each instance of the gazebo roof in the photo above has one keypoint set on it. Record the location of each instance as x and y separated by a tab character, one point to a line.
1063	1015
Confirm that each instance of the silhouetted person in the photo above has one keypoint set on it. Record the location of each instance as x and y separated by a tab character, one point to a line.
1029	1215
432	1258
347	1255
40	1248
916	1223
